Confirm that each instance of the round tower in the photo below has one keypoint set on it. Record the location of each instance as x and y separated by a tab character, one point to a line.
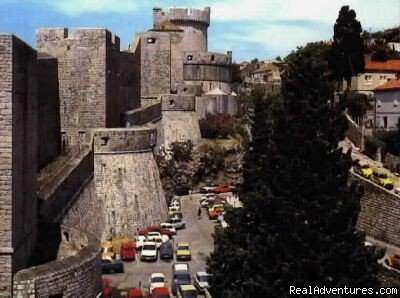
194	23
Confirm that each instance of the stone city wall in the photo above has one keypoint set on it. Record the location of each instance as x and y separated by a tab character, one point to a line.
18	157
49	136
88	73
58	192
142	115
175	102
78	275
127	180
212	104
380	212
207	72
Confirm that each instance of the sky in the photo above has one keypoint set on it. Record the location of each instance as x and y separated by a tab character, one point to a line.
260	29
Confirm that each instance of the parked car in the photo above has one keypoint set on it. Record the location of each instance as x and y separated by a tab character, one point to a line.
106	288
180	276
363	170
139	241
183	252
118	241
187	291
157	238
134	293
214	211
143	232
200	281
173	210
153	228
156	280
222	189
177	223
168	226
175	204
107	250
207	189
382	179
160	293
166	251
109	266
128	251
397	190
176	214
149	252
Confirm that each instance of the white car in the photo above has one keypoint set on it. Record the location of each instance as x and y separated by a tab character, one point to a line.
168	226
149	251
175	204
207	189
157	280
177	223
157	238
397	190
139	241
200	280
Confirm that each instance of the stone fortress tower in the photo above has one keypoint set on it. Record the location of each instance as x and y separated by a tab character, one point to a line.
193	22
178	71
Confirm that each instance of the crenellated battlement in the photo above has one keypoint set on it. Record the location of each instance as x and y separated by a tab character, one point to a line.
182	15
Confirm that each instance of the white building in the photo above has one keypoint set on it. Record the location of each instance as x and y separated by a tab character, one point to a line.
387	109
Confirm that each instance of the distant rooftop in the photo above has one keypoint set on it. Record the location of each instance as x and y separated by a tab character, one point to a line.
391	85
389	65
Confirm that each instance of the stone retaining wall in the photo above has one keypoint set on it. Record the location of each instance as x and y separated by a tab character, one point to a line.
142	115
69	276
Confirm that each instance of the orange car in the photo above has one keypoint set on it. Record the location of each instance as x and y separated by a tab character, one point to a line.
222	189
214	211
393	261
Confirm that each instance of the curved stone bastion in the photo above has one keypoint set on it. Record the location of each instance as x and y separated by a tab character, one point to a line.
75	273
127	179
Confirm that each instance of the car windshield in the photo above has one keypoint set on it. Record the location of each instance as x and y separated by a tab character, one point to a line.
183	247
182	277
149	247
189	294
365	167
383	176
157	279
203	278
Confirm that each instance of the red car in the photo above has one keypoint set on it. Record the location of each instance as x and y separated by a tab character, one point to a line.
160	293
169	233
143	232
155	228
128	251
223	188
134	293
106	289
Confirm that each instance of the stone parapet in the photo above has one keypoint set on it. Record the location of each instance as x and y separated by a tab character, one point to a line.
194	57
142	115
177	102
190	15
78	275
133	139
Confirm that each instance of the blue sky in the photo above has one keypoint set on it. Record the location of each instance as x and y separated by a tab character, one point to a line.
250	28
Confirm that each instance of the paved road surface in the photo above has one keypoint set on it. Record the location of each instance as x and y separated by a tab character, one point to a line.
197	233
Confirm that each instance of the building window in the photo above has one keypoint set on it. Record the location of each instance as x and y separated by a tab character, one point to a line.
395	103
151	40
190	57
368	79
212	58
378	103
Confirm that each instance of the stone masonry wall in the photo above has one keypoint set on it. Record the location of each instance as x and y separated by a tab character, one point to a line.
127	180
175	102
179	126
69	276
18	157
88	78
49	137
142	115
380	212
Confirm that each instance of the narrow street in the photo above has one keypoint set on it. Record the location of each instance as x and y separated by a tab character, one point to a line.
197	233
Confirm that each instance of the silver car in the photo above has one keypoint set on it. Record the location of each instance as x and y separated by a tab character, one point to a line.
177	223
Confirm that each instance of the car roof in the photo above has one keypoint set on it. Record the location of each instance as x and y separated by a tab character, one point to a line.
149	243
183	243
161	290
158	274
187	287
181	267
202	273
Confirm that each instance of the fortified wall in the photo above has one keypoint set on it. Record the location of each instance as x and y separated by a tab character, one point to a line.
18	157
127	180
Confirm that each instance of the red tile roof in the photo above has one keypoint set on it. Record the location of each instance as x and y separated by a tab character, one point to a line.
390	85
389	65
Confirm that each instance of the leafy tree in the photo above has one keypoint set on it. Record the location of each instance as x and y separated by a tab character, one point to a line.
297	224
217	125
347	58
357	104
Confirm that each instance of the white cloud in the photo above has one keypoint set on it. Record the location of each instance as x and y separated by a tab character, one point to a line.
371	13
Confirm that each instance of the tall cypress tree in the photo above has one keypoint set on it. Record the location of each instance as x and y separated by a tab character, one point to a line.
297	224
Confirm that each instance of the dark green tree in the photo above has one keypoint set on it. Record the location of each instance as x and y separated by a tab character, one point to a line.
347	58
357	105
297	224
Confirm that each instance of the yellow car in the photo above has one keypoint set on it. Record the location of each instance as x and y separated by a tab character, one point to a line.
382	180
363	170
183	251
107	251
